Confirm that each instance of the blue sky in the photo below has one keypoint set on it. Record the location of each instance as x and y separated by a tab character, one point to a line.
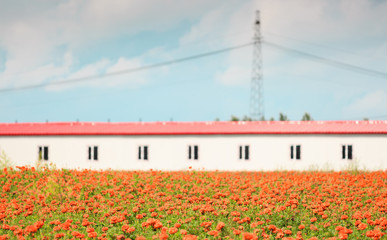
46	41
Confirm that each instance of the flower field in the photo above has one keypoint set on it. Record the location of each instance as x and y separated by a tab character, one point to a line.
73	204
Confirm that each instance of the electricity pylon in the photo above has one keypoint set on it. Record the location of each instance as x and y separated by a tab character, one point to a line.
256	88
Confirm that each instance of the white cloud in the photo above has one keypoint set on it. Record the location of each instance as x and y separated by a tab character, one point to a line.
38	75
30	34
209	25
91	69
371	104
324	21
105	67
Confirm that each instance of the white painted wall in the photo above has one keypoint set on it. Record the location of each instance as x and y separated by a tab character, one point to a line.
216	152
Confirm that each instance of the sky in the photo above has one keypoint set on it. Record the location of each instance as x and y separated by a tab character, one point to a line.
45	42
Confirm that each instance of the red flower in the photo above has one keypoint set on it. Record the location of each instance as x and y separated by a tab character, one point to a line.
249	236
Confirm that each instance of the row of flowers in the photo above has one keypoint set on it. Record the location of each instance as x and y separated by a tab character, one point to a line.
86	204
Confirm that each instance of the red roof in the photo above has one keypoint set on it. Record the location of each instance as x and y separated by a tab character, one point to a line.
193	128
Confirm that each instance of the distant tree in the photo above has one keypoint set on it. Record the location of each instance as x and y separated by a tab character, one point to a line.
247	118
217	119
262	118
283	117
234	118
306	117
272	119
366	119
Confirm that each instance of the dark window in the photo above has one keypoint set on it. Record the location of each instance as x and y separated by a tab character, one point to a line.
350	152
196	152
43	153
95	153
298	152
295	152
247	153
244	152
347	152
145	152
92	153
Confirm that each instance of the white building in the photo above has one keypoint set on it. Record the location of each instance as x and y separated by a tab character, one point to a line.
253	146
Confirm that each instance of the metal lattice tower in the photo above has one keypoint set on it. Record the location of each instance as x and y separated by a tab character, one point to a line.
256	88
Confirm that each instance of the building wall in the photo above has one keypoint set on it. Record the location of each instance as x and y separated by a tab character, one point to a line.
216	152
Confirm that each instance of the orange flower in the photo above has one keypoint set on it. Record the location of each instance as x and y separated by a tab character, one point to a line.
173	230
92	235
220	226
213	233
362	226
115	219
249	236
190	237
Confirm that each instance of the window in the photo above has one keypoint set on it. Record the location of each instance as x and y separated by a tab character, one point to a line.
244	152
195	150
93	153
346	152
43	153
143	152
295	152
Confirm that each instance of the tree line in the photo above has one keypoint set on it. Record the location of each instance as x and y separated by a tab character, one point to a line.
281	117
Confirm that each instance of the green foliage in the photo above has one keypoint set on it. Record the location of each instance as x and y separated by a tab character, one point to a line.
41	165
306	117
5	161
247	118
283	117
234	118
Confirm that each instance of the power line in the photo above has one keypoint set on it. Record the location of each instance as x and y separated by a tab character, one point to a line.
126	71
377	57
330	62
